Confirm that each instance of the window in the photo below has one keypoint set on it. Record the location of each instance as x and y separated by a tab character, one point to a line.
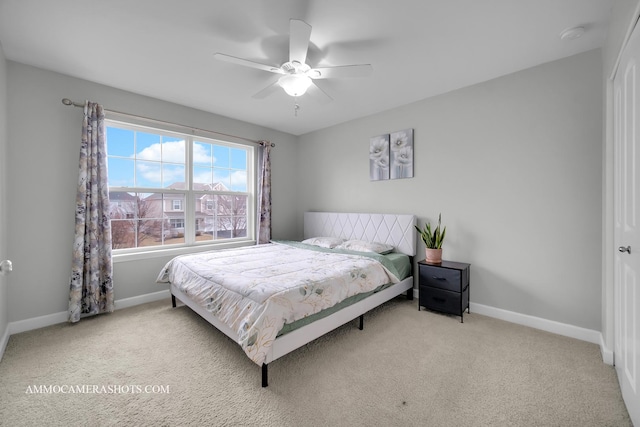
177	223
173	189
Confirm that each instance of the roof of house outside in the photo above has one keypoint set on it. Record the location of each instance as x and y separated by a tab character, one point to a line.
216	186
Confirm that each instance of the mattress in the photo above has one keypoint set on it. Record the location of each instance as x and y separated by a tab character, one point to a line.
256	290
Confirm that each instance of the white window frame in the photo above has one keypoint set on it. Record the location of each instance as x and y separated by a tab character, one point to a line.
191	245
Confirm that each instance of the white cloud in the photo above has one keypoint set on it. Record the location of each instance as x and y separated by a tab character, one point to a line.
150	172
200	155
172	151
173	174
239	179
202	177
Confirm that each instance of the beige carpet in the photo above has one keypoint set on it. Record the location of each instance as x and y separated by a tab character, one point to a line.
405	368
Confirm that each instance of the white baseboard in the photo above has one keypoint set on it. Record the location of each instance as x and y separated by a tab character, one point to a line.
61	317
142	299
564	329
607	353
552	326
4	341
37	322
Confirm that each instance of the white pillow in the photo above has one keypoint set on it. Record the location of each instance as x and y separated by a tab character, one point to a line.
324	242
364	246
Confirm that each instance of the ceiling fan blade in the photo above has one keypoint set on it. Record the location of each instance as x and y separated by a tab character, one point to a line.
318	94
247	63
344	71
267	90
300	34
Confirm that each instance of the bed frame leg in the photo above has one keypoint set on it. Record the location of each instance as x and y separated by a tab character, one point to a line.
265	375
361	327
410	294
173	301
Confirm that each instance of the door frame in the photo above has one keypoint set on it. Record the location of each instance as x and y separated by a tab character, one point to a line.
609	253
608	233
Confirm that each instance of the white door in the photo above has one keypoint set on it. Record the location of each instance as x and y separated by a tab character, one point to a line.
627	224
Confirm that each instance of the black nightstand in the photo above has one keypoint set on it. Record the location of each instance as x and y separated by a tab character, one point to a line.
444	287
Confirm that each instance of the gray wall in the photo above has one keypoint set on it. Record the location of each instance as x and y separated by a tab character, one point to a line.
4	304
42	162
513	165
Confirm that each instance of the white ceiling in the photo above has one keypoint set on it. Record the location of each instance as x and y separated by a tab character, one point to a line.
418	48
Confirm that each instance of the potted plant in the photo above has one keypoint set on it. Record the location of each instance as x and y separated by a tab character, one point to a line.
433	241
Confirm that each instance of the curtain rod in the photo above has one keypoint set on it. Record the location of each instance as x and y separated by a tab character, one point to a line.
68	102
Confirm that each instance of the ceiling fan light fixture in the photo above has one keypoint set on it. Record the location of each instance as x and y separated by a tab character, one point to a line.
295	84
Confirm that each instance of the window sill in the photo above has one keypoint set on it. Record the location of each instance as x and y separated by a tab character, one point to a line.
183	250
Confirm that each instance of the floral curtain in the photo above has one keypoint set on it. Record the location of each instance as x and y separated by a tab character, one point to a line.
91	271
264	201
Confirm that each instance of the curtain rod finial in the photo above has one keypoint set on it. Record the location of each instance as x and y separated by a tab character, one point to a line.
67	101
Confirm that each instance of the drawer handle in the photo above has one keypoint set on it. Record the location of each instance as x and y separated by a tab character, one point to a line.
439	299
439	278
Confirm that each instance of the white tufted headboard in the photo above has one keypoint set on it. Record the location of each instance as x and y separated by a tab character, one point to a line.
396	230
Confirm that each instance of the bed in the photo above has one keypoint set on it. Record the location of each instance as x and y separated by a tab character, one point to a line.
274	298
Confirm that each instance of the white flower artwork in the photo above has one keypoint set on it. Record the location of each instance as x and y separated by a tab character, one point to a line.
401	158
379	157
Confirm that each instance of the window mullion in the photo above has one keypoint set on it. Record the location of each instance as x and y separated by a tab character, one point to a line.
189	209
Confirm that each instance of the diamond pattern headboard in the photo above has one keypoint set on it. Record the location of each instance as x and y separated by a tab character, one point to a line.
396	230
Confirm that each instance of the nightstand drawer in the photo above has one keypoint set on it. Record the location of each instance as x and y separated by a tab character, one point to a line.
441	278
446	301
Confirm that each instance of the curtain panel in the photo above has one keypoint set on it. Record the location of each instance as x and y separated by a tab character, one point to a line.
264	200
91	286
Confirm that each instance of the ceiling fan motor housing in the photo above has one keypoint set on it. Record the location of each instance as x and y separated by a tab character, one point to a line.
295	67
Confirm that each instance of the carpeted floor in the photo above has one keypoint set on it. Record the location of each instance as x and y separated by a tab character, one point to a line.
406	368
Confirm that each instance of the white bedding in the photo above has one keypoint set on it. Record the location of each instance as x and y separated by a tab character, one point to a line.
255	290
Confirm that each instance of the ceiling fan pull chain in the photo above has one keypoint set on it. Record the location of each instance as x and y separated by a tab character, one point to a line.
296	107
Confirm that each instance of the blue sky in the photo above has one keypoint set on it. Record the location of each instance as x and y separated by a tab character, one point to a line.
139	159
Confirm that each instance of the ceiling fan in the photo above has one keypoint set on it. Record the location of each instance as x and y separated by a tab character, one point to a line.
296	76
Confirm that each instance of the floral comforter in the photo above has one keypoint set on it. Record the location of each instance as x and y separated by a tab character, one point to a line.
255	290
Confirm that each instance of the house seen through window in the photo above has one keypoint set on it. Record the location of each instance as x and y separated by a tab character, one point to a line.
168	188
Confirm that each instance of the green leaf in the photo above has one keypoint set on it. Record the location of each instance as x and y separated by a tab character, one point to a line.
432	239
